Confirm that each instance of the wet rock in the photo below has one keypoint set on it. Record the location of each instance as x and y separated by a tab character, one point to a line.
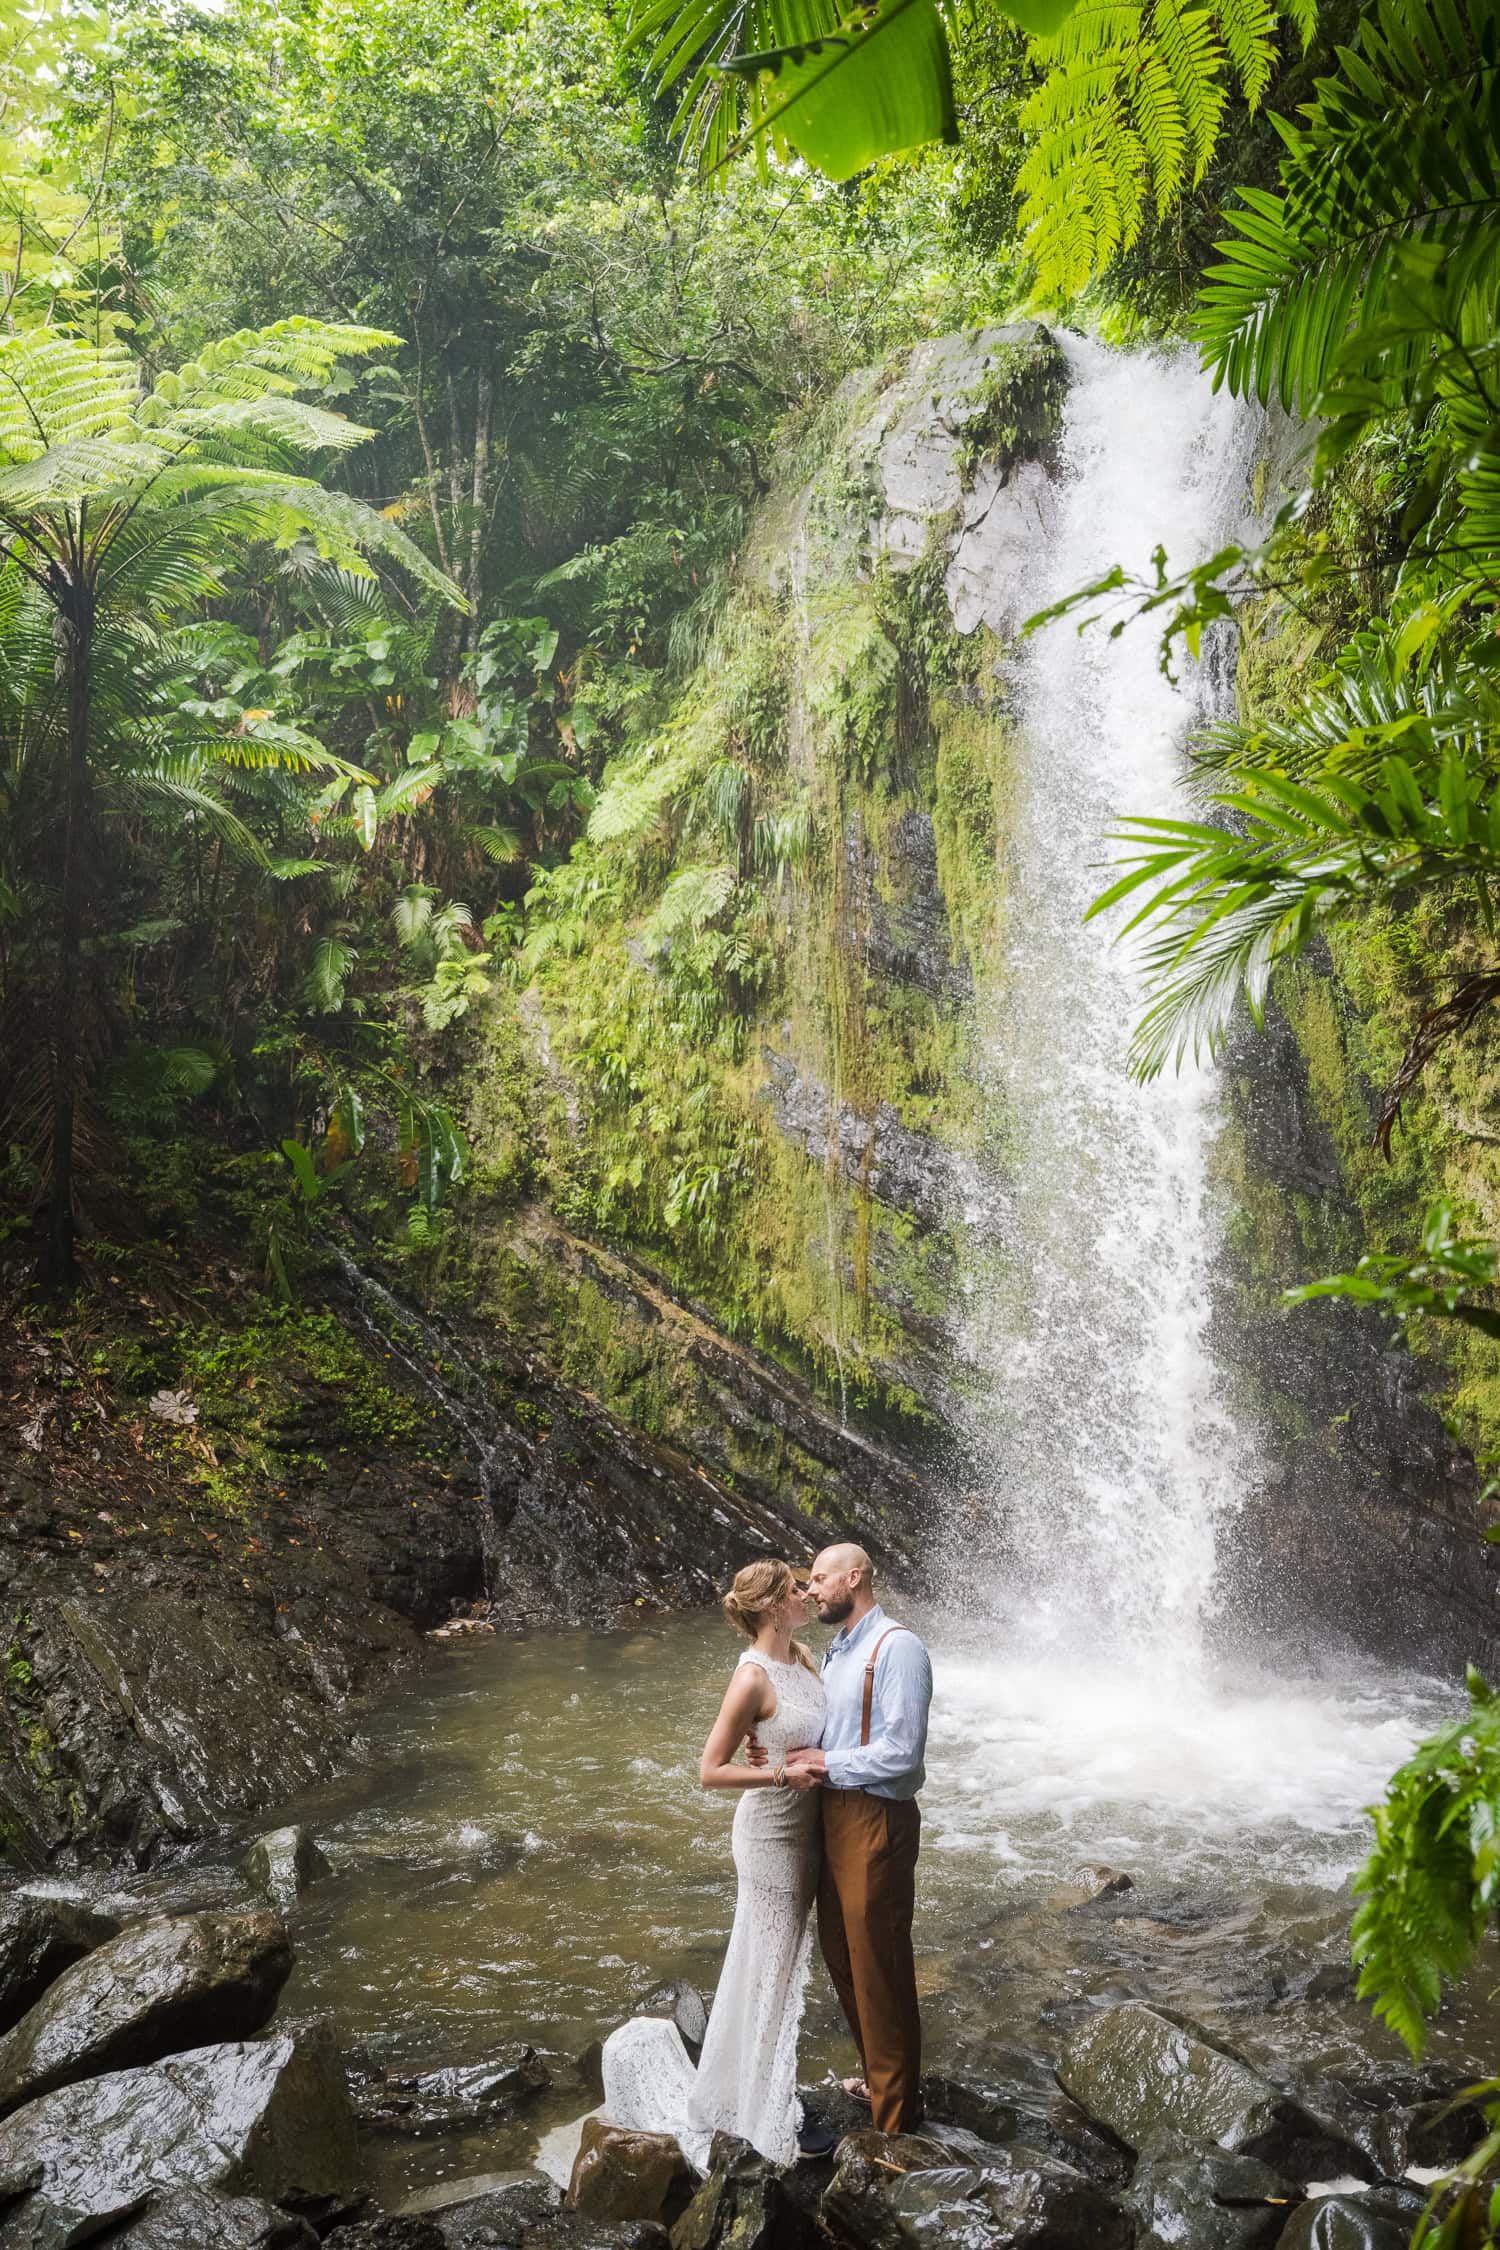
901	1168
1216	2202
889	2190
1350	2222
39	1938
590	2069
682	2004
744	2204
167	1716
387	2233
1038	2114
415	2107
525	2216
1406	2118
162	1986
962	433
1426	2134
268	2118
1315	1980
197	2219
475	2187
1102	1882
1144	2076
829	2105
622	2174
282	1864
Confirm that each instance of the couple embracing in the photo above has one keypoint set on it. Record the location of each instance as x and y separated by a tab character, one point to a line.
827	1814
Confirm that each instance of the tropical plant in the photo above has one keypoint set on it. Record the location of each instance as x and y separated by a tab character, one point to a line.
1119	107
839	84
122	504
1373	784
57	238
1437	1283
1128	109
1367	292
1431	1886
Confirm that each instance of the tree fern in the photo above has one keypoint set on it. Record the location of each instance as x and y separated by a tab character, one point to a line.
122	507
1126	116
1401	148
1431	1884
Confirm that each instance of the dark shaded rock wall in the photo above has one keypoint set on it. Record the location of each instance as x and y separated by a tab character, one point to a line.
1361	1524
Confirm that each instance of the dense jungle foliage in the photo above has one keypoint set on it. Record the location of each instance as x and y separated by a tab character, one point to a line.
383	393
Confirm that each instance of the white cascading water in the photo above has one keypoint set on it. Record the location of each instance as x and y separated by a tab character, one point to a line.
1113	1453
1085	1709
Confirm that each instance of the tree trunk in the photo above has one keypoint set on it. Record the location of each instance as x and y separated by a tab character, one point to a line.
484	404
76	636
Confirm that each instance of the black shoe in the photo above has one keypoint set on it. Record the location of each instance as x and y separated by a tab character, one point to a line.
816	2139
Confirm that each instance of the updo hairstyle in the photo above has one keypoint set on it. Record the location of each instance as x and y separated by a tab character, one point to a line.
756	1591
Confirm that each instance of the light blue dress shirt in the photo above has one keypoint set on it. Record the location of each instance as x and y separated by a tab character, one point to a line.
890	1765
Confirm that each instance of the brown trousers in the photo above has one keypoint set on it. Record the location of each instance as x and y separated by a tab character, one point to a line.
865	1897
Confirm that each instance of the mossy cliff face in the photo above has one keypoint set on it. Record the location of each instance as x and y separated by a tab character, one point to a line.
1367	1508
738	1044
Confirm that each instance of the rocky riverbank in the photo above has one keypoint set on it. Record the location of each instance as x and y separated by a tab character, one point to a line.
225	1523
151	2098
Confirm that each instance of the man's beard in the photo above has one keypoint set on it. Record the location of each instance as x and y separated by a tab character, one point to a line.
834	1613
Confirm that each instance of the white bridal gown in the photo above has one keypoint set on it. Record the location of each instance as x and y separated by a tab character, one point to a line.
746	2082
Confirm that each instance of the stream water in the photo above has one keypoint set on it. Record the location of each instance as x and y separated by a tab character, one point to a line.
527	1852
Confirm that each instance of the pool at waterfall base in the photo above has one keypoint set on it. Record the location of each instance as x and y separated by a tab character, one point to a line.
525	1852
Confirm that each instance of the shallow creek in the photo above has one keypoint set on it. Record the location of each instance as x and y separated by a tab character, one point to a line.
527	1852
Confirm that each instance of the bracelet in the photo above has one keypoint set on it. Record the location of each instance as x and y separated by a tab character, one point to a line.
778	1777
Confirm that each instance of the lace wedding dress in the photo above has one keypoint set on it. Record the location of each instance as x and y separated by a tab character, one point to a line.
746	2081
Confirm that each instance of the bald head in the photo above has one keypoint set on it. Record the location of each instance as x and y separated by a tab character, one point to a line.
842	1584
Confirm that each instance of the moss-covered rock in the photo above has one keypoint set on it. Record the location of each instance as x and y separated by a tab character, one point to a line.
741	1042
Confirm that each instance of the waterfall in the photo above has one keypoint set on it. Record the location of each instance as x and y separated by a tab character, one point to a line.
1111	1456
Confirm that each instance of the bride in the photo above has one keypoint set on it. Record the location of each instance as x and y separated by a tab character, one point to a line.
746	2081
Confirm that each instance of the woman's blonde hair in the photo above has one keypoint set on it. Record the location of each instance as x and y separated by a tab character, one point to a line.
756	1591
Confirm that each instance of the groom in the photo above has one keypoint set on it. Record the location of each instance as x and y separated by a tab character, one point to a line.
878	1680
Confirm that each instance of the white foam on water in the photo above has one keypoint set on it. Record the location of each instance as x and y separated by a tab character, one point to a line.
1047	1763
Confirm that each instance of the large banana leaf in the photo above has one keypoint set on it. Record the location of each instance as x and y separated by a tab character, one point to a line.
877	84
842	84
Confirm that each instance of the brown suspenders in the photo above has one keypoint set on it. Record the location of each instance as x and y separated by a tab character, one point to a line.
864	1724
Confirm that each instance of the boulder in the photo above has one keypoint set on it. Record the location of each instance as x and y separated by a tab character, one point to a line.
1098	1881
417	2105
524	2218
889	2190
1217	2202
683	2004
282	1864
623	2174
744	2204
519	2211
387	2233
161	1986
197	2219
39	1938
1351	2222
448	2195
1147	2076
268	2117
1403	2118
1040	2115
